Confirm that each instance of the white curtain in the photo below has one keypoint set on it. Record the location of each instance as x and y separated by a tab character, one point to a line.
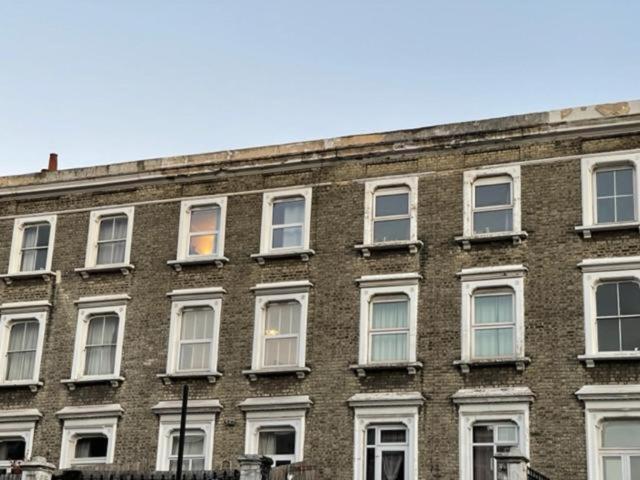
493	309
102	337
112	237
392	462
267	443
21	355
196	333
392	346
291	213
282	326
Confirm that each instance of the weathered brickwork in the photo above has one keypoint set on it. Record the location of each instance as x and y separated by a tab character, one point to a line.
554	323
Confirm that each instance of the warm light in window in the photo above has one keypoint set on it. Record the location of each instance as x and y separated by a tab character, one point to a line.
272	332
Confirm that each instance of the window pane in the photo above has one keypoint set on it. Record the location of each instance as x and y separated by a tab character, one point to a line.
393	436
608	335
106	229
391	230
41	259
287	237
105	253
492	195
120	227
635	468
203	244
12	450
483	463
392	465
621	433
283	318
118	252
625	209
195	356
193	444
494	221
494	342
288	211
612	468
389	347
493	309
371	464
91	447
390	314
371	436
606	210
624	181
397	204
204	219
280	351
507	434
607	300
28	263
197	324
482	434
29	237
630	332
605	183
43	235
277	442
20	365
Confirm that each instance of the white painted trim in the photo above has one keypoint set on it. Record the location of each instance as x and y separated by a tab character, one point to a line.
7	319
19	426
92	235
169	424
178	304
469	179
277	293
595	272
73	429
20	415
174	407
495	280
15	257
85	312
484	395
401	284
385	413
35	306
303	285
292	402
90	411
268	199
471	413
410	182
487	273
208	292
117	299
609	392
260	419
185	219
386	399
588	166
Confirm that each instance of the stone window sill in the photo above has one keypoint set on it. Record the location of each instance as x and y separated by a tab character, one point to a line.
413	247
515	237
362	369
45	275
299	372
466	365
30	384
587	230
178	265
71	384
86	272
590	360
262	258
169	378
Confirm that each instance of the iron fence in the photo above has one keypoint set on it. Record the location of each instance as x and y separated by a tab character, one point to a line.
534	475
107	475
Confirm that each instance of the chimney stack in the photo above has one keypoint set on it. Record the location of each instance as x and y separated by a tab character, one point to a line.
53	162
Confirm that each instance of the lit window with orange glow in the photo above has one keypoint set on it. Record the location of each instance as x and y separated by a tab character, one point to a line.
204	230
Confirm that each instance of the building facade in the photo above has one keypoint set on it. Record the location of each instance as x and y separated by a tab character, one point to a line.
389	306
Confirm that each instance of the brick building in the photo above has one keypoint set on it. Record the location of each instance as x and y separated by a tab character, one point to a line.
388	306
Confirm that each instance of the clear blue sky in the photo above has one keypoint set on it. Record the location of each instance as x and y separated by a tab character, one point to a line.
107	81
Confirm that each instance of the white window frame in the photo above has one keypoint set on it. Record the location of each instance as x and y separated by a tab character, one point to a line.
12	313
372	286
588	168
268	199
400	183
490	405
201	416
186	207
473	280
271	412
94	229
15	256
267	293
190	298
84	421
385	409
596	271
605	402
19	424
486	176
87	308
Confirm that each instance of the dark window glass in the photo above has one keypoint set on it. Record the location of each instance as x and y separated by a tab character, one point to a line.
91	447
492	195
12	449
396	204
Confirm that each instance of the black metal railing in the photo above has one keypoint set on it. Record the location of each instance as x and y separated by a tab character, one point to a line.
534	475
112	475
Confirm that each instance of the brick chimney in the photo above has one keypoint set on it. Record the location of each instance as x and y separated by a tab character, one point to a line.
53	162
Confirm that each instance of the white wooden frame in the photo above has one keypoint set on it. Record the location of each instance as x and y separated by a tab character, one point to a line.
257	421
595	272
15	257
86	309
372	286
485	176
74	429
370	191
588	167
94	228
268	200
186	206
169	424
20	312
19	424
181	299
